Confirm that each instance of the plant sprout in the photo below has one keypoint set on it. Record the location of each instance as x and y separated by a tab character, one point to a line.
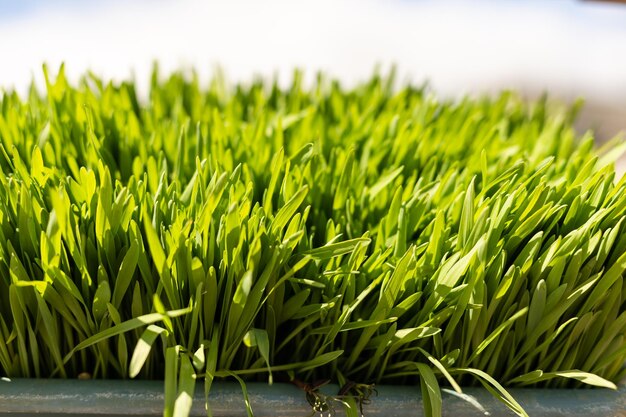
253	232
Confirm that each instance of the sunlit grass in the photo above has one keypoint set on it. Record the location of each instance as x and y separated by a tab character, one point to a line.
254	232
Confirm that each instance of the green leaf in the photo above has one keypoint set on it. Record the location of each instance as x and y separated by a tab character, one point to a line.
244	390
337	249
125	274
443	370
455	268
495	388
537	305
143	348
289	209
100	301
156	250
211	366
124	327
467	216
186	388
260	339
584	377
172	362
494	335
384	182
430	390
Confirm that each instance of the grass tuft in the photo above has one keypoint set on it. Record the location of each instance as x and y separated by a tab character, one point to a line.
254	232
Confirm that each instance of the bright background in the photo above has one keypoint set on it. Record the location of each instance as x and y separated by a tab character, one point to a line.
566	47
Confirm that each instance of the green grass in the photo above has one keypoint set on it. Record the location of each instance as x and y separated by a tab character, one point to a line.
251	232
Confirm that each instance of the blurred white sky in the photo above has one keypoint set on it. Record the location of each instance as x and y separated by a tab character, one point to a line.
576	47
567	47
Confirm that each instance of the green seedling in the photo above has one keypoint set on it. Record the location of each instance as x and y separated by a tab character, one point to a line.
208	232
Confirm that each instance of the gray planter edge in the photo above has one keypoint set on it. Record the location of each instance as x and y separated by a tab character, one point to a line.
44	397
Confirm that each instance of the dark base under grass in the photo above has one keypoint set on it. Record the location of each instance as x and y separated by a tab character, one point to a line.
48	398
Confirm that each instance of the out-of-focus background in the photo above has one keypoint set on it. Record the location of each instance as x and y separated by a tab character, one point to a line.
569	48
